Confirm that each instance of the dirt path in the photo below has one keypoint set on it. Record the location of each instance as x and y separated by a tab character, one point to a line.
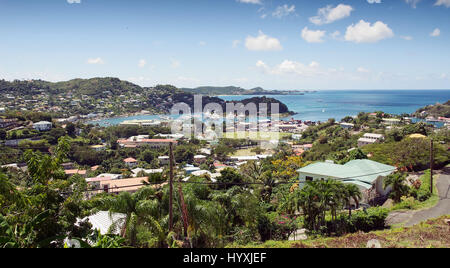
410	218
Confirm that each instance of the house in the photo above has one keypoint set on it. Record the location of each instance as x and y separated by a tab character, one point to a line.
391	121
152	143
103	220
347	125
199	159
130	162
171	136
71	172
116	186
307	147
366	174
204	173
370	138
190	169
42	126
107	176
205	151
136	171
164	160
219	166
2	110
4	123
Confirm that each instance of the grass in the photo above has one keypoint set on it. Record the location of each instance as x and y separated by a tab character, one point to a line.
433	233
265	136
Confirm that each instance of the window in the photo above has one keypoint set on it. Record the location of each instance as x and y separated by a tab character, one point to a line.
309	178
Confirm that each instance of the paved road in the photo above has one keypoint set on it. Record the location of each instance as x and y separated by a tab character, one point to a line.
410	218
442	208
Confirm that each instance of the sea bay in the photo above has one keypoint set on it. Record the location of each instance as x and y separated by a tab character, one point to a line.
325	104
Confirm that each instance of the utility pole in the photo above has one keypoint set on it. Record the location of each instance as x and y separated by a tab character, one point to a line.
431	165
171	187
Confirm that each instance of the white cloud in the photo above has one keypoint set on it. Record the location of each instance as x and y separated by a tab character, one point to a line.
407	38
283	11
443	3
202	43
364	32
263	16
95	61
142	63
250	1
292	67
413	3
312	36
74	1
330	14
374	1
262	43
435	33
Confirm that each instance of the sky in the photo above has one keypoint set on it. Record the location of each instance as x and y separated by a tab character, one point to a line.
274	44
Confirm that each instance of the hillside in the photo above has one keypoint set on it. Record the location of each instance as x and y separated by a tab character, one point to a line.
432	233
105	96
437	110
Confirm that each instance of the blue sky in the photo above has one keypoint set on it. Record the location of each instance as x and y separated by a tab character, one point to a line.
275	44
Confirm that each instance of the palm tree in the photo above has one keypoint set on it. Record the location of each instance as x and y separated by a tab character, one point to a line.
352	192
141	209
399	189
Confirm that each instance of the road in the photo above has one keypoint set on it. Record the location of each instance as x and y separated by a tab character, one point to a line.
410	218
442	208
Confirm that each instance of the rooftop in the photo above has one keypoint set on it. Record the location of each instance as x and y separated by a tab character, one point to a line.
363	171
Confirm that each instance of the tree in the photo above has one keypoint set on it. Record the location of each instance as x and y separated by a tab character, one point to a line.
229	177
46	212
286	168
70	128
397	182
352	192
2	134
142	212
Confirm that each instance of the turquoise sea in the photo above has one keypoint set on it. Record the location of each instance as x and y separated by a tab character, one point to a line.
325	104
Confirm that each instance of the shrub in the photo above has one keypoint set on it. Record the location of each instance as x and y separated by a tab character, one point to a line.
365	221
369	220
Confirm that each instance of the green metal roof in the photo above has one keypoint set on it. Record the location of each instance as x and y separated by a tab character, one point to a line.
365	171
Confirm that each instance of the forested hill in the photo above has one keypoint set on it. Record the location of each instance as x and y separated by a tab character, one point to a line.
437	110
97	95
90	87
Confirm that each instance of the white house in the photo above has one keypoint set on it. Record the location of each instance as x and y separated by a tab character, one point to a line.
370	138
347	125
199	159
164	160
42	126
366	174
